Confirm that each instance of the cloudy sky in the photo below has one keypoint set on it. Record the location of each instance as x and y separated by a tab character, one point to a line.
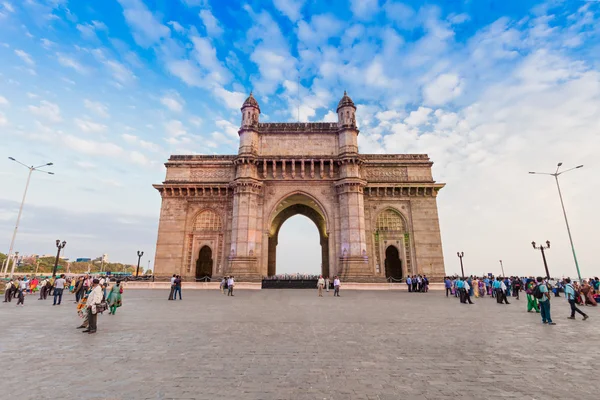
107	90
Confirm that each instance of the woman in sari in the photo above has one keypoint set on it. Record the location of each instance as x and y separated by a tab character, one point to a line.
588	294
532	302
82	311
481	288
33	284
476	287
578	297
114	297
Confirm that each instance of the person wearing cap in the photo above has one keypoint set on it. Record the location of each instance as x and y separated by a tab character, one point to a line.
94	298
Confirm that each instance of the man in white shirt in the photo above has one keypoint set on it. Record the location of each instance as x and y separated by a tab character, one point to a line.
59	286
336	286
94	298
172	286
467	292
230	284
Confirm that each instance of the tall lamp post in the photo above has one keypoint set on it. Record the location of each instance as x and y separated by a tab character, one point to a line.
59	246
502	266
461	255
556	175
542	248
140	254
12	242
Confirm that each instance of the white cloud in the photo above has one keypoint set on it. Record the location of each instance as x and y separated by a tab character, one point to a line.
25	57
3	101
120	72
364	9
176	26
89	31
418	117
175	128
8	6
47	110
230	129
206	56
146	28
290	8
134	140
89	126
233	100
196	121
173	101
47	44
92	147
138	158
331	116
97	108
85	164
213	28
3	120
69	62
443	89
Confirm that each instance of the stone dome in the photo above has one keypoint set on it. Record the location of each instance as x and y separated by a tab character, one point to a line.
346	101
251	102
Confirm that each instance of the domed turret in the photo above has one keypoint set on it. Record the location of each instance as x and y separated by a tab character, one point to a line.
346	101
250	112
346	110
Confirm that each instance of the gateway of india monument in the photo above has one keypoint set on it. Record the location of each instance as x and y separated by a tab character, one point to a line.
376	213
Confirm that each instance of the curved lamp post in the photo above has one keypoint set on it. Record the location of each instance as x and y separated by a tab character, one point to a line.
140	254
59	246
542	248
461	255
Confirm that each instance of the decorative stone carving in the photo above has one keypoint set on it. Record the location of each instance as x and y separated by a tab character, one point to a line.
383	174
197	174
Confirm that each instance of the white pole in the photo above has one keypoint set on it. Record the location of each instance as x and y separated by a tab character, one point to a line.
12	243
568	229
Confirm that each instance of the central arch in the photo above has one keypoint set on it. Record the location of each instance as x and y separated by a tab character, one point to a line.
290	206
204	263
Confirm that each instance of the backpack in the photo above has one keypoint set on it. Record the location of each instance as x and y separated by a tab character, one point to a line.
537	293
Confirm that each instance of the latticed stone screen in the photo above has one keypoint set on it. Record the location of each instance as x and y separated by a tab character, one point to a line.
207	221
390	220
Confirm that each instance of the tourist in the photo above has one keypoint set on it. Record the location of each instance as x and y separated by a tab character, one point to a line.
336	286
475	287
587	293
103	284
327	284
222	285
467	292
225	286
22	288
320	285
82	311
425	284
482	289
230	285
177	283
460	287
541	292
115	297
414	283
517	286
532	303
172	286
43	289
33	284
447	285
79	292
502	293
59	286
8	291
570	295
409	284
94	299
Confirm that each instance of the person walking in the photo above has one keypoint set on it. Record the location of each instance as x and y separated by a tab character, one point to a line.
59	287
517	283
115	297
447	285
172	286
532	303
222	285
327	284
409	284
177	283
570	295
230	285
320	285
541	292
502	291
93	300
460	286
22	288
8	292
336	286
467	292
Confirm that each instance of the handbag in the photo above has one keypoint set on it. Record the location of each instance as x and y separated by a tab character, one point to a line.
101	307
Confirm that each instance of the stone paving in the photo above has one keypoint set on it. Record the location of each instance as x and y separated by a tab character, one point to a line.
290	344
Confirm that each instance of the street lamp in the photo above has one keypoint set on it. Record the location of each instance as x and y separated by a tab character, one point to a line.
59	246
555	175
461	255
502	266
140	254
12	242
542	248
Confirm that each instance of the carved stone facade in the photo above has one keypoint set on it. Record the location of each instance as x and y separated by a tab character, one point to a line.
376	214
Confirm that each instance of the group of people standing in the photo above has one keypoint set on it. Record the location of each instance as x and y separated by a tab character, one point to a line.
227	285
417	284
538	291
325	283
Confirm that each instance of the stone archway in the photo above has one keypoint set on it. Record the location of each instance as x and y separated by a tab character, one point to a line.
204	263
287	208
393	264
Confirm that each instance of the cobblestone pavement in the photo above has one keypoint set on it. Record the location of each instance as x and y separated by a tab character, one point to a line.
290	344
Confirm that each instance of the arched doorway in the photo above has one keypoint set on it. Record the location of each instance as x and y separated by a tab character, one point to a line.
204	263
393	264
294	205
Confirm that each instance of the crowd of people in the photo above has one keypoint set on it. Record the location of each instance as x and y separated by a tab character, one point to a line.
538	290
92	295
417	284
291	277
325	283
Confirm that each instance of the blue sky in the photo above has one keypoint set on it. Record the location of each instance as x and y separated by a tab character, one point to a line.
107	90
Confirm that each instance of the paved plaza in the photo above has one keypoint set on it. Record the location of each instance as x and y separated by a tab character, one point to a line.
290	344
